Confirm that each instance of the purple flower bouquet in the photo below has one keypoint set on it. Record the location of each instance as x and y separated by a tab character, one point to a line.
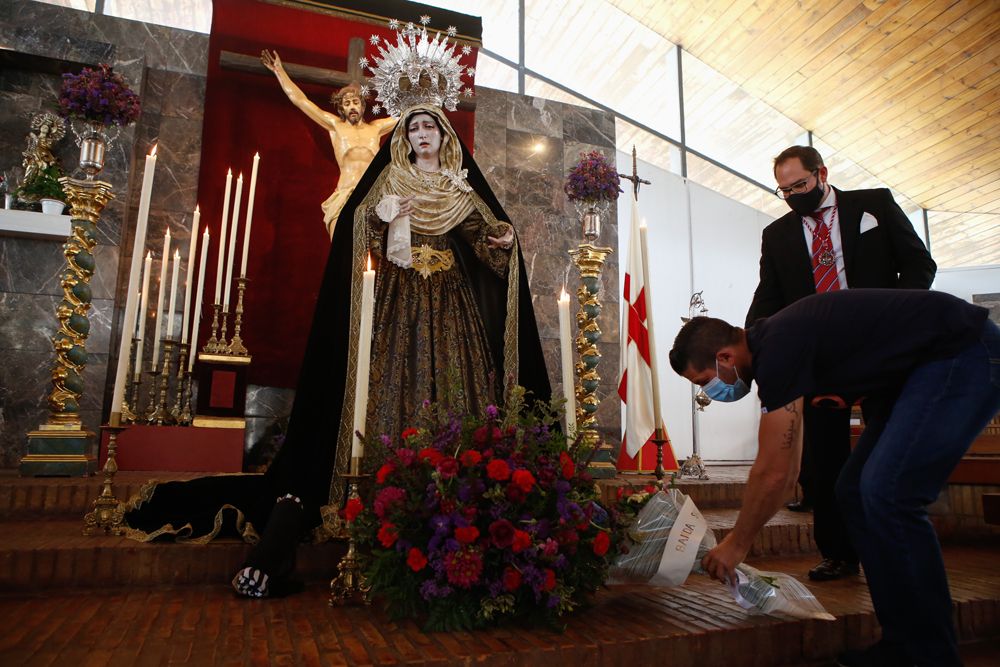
98	95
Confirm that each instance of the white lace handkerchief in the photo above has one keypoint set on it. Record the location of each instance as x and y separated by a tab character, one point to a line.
398	243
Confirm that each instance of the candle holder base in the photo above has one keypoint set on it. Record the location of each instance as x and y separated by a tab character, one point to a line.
693	468
349	586
107	516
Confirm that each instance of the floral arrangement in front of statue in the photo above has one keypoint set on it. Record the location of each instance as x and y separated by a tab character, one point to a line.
593	180
98	95
474	521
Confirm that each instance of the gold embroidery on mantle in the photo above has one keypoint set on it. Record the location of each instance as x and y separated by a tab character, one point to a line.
427	260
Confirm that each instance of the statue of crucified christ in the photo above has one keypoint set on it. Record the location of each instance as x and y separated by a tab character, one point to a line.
355	141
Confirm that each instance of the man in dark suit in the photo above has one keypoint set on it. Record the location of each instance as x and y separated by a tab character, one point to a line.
831	240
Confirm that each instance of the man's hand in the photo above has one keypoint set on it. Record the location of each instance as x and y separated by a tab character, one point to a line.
270	60
503	242
721	562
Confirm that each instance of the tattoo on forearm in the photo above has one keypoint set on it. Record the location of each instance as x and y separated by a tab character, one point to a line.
788	439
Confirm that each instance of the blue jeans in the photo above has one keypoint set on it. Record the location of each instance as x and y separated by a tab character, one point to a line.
903	459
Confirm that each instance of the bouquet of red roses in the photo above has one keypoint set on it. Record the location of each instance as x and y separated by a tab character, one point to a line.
474	521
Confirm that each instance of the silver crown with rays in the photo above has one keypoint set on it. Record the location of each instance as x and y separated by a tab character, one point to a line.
417	69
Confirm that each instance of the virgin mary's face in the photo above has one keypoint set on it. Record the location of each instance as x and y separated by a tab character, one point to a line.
424	135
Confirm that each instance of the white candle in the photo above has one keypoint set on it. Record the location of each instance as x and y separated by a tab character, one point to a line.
233	224
143	306
222	239
566	350
188	282
657	416
165	259
173	295
131	303
197	300
364	358
250	199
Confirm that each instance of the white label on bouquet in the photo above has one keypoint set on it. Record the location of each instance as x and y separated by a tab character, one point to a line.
682	546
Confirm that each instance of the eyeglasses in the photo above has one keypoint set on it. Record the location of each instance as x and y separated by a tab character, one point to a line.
795	188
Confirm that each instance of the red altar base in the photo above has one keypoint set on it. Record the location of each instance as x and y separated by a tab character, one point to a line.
177	449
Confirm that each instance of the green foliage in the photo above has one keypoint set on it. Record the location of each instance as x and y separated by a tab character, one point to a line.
45	185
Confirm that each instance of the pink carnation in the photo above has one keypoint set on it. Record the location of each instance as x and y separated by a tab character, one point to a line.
463	567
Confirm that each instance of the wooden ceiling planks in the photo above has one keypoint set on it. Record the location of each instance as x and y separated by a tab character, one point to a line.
909	90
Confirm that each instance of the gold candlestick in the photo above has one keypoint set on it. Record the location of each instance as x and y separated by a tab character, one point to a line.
161	416
349	586
213	343
175	412
154	382
186	413
107	516
589	260
236	346
223	346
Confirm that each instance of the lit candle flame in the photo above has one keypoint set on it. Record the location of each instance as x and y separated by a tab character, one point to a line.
369	261
152	152
563	296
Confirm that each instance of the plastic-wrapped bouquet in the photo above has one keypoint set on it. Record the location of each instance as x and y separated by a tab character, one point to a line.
667	540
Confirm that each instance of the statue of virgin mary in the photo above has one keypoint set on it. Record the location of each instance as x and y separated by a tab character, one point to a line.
451	301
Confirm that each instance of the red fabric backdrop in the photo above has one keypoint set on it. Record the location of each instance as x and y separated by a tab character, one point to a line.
247	113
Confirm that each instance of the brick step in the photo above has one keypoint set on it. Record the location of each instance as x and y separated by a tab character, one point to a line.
694	625
786	534
66	497
55	554
723	488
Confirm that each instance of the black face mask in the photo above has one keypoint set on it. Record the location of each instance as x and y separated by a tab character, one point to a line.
807	202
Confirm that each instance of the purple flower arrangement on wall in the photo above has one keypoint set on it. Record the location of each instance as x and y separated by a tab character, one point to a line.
98	95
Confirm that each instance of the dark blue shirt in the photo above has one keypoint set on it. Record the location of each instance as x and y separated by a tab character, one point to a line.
856	343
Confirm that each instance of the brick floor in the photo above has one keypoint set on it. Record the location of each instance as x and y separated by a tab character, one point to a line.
697	624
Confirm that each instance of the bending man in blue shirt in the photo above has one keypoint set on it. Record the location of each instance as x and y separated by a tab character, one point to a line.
927	366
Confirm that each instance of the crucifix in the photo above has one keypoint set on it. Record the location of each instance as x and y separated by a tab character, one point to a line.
636	181
309	74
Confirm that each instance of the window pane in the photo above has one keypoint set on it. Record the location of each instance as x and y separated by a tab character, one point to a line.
707	174
85	5
538	88
494	74
648	147
964	239
637	77
193	15
731	126
499	22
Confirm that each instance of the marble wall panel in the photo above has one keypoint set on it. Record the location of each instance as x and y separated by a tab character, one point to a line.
588	126
162	47
534	114
30	266
168	67
25	381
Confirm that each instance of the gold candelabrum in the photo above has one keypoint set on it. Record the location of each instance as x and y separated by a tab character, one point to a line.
60	446
180	416
107	516
214	344
589	259
349	586
161	415
133	413
236	345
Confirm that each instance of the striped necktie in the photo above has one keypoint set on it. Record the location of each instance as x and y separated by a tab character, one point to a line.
823	260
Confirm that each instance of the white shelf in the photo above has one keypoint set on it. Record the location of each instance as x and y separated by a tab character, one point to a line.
28	224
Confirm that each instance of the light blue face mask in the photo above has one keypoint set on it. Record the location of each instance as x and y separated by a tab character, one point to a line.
717	390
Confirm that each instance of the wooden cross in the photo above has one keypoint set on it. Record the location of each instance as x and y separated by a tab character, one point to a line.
636	181
310	74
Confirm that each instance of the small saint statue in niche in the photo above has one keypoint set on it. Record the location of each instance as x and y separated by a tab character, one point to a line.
46	130
355	140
